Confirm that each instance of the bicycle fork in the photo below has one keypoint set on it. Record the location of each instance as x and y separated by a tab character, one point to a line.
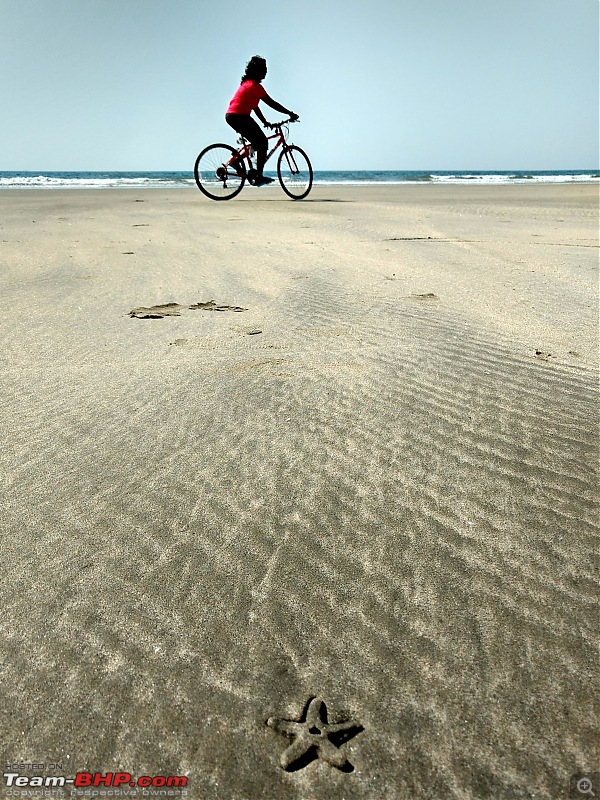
291	162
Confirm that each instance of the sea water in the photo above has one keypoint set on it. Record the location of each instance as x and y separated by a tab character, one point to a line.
165	180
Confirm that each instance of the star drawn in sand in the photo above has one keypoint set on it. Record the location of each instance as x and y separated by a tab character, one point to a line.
314	737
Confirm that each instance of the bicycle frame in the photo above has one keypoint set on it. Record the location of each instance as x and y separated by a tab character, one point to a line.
245	149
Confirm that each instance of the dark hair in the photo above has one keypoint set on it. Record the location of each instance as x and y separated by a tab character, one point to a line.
256	69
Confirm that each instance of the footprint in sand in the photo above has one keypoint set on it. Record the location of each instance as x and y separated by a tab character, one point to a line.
176	309
543	356
427	296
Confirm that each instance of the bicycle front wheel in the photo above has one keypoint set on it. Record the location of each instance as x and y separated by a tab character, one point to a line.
218	173
294	172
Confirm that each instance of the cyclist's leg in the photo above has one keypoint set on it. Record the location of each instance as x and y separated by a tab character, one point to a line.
232	121
250	130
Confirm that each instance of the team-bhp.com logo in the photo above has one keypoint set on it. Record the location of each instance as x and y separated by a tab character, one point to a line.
95	779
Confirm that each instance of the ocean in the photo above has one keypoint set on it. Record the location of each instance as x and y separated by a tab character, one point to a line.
166	180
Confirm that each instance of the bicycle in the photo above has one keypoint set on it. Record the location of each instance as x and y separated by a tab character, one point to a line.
220	170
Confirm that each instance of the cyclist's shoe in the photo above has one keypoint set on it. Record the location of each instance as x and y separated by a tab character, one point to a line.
251	176
263	181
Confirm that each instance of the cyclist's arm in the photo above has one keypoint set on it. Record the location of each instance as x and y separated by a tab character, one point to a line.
277	106
261	116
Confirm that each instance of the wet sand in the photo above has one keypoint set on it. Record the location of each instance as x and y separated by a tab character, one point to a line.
370	479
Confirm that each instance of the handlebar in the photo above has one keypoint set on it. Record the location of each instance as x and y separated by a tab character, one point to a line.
283	122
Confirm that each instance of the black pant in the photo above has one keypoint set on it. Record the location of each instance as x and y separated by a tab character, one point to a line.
244	124
250	130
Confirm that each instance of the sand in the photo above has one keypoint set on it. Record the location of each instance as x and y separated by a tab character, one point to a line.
369	479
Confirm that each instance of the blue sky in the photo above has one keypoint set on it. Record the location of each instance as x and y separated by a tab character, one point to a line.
383	84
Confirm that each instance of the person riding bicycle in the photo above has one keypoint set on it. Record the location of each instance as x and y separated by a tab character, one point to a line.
246	99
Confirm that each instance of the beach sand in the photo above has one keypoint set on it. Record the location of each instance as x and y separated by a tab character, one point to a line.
375	485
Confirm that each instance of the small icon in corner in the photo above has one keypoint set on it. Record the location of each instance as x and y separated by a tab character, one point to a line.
585	784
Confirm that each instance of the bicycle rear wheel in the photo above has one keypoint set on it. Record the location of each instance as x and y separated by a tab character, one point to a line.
215	173
294	172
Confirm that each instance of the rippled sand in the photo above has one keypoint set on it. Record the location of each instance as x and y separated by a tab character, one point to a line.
371	479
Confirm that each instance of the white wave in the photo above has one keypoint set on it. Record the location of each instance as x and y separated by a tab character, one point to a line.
51	182
178	181
466	178
462	179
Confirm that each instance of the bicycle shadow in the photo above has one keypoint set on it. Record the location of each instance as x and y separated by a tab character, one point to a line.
287	200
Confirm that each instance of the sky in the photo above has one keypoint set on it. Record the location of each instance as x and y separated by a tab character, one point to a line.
378	84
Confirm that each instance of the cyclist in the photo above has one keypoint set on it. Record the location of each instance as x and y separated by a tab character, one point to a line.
250	92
